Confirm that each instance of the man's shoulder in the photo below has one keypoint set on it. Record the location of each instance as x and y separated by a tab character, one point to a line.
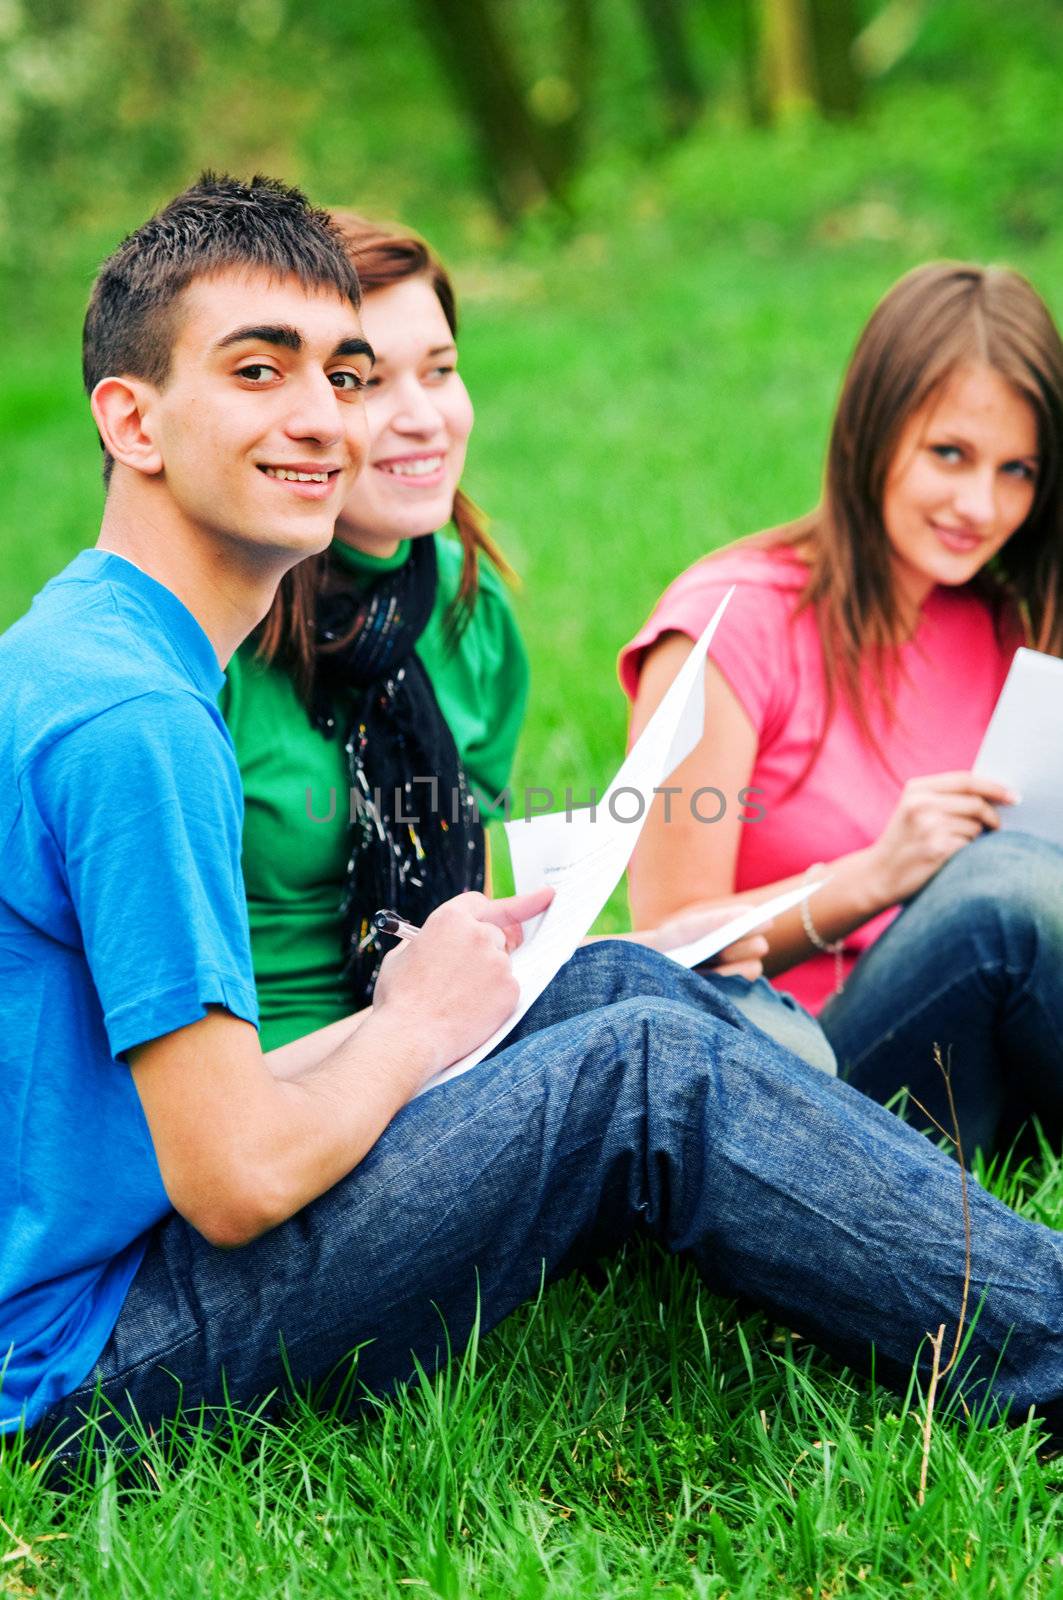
78	658
76	611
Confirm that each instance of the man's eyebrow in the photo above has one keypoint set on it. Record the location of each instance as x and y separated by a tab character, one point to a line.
354	347
264	333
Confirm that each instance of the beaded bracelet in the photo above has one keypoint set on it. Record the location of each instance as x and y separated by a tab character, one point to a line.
832	947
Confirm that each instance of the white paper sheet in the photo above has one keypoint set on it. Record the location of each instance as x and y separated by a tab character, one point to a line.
747	921
584	860
1023	745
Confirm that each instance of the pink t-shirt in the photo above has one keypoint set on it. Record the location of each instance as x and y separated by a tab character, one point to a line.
946	683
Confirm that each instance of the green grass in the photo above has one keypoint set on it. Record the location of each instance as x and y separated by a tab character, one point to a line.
639	1438
650	382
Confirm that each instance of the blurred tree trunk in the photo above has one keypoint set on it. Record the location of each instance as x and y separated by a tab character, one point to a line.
579	54
787	57
834	32
753	87
806	57
525	156
560	99
683	89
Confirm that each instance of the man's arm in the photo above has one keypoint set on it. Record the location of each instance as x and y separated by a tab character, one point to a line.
240	1149
300	1056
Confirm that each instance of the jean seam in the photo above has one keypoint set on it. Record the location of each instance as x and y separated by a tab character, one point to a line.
154	1360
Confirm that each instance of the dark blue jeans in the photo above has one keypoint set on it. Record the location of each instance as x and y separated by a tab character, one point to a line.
634	1098
974	965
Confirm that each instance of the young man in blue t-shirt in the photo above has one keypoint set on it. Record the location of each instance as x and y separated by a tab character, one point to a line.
186	1217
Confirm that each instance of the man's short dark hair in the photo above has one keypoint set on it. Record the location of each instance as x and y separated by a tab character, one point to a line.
131	321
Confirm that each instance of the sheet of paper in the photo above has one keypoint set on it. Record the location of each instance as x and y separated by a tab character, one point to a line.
747	921
584	858
1023	745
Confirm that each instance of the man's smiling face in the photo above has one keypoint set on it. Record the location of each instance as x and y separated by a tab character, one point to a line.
260	422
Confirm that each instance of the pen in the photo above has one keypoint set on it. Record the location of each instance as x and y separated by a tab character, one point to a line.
398	927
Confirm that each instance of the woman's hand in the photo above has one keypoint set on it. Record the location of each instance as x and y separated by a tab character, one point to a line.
935	817
743	959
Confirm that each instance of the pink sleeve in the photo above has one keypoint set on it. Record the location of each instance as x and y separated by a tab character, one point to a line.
750	647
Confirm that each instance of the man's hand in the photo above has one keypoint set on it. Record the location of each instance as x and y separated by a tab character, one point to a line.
454	983
241	1146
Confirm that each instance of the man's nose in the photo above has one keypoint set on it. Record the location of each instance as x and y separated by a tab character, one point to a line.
316	412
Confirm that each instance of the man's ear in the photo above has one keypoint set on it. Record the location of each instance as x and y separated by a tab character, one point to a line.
122	409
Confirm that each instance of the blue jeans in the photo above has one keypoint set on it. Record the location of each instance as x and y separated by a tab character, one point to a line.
634	1097
783	1019
974	965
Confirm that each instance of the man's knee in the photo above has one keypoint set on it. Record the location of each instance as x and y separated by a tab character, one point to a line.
610	971
624	964
680	1049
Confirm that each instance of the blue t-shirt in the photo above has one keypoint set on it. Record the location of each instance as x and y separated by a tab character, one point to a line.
122	917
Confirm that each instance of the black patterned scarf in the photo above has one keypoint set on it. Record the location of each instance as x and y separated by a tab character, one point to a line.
416	837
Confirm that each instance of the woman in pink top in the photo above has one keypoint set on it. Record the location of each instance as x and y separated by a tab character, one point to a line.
849	687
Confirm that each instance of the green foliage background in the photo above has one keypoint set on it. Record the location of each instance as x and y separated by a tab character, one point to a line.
654	374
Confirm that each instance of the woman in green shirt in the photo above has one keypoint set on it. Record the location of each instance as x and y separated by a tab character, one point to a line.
376	711
320	854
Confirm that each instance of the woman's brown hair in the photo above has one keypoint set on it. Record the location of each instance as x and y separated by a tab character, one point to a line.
938	318
382	255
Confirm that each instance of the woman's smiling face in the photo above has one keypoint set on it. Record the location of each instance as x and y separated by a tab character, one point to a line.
962	481
419	416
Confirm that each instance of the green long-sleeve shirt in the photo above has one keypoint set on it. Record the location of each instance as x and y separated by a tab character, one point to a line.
294	865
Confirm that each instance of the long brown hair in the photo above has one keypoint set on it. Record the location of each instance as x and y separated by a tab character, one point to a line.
936	319
382	255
